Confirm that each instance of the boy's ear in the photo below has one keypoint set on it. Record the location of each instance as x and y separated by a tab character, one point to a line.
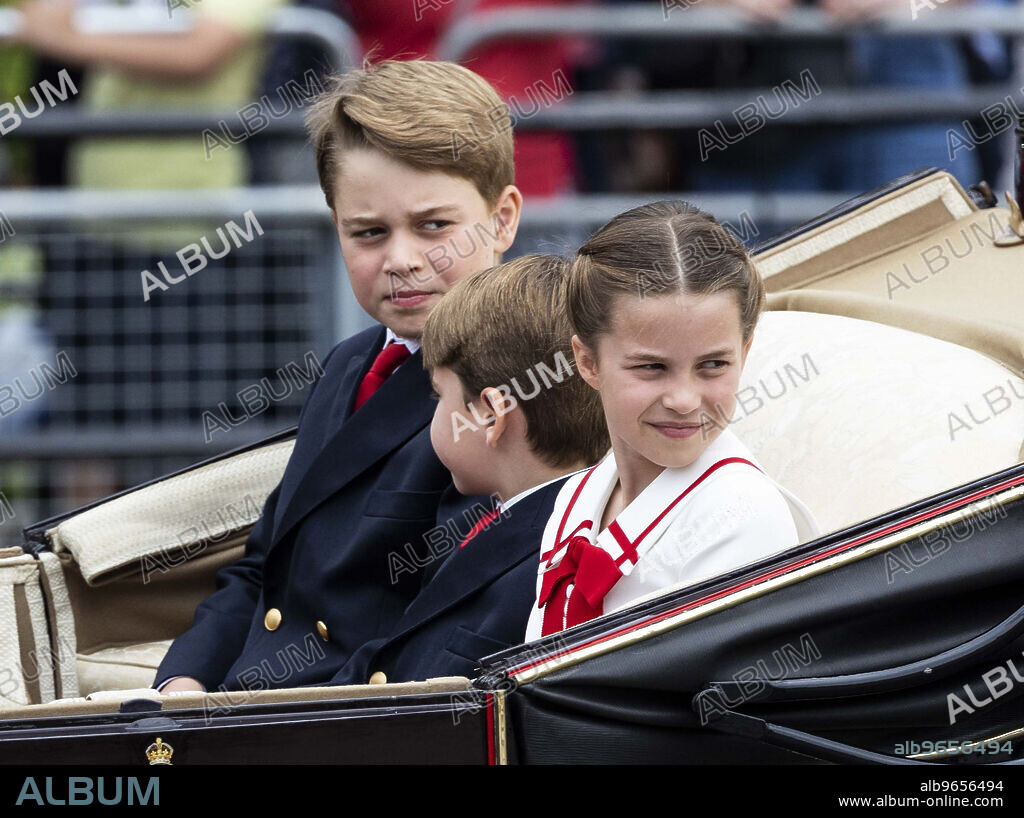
586	362
500	406
506	217
746	349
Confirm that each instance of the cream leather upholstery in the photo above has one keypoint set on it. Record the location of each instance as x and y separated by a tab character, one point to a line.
159	525
858	418
121	668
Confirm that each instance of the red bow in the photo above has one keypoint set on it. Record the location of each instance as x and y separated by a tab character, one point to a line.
591	572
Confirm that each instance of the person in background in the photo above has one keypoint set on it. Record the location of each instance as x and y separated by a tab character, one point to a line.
214	64
850	157
208	59
405	29
855	157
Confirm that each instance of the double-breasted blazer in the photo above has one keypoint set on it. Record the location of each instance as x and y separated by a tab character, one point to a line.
317	578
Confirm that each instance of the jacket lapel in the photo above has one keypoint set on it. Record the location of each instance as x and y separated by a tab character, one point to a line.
487	557
397	411
344	396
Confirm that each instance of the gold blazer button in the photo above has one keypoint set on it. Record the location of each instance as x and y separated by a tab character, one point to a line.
272	621
321	628
378	678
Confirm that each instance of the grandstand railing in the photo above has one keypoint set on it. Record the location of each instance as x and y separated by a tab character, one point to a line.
602	110
148	373
329	31
668	21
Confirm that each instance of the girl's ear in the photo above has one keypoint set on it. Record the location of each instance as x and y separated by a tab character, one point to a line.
586	362
746	349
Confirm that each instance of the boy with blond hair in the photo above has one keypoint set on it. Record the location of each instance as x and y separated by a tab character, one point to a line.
315	582
513	420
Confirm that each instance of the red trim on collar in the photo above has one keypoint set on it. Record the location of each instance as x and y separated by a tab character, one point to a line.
711	469
565	517
572	502
629	549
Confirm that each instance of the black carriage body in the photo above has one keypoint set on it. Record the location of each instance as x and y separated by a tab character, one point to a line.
404	728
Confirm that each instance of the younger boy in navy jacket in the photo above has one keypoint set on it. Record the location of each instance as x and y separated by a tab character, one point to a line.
513	420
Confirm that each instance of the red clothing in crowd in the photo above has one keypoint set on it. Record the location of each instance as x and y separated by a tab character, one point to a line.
390	28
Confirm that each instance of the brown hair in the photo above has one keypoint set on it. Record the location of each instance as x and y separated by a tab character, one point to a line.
504	327
656	249
429	115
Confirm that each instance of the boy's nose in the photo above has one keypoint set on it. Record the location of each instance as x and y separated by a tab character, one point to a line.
405	260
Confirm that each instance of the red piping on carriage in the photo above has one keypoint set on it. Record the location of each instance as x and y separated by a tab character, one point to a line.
490	729
785	569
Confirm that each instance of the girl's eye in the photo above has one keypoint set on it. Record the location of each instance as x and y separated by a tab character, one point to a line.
650	367
439	224
713	365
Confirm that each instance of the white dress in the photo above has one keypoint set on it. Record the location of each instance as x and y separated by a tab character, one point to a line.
717	514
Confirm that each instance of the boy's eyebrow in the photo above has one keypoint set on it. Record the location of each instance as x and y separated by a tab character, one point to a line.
434	210
354	220
418	214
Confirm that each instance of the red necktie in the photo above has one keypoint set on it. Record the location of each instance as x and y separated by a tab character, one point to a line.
386	362
481	524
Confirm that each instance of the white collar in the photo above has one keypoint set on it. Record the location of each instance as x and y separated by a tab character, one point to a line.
640	524
410	344
505	506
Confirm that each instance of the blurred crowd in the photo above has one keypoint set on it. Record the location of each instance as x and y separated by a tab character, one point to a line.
218	64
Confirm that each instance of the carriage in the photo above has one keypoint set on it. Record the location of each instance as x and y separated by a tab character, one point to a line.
885	387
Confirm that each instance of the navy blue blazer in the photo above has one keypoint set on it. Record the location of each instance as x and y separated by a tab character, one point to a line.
358	489
477	603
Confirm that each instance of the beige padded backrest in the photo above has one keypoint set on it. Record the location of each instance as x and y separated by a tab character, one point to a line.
884	225
174	519
921	258
858	418
30	652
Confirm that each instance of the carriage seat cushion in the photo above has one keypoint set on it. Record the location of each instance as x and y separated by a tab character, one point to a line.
858	418
120	668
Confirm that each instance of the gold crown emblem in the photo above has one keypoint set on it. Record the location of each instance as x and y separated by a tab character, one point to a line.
159	753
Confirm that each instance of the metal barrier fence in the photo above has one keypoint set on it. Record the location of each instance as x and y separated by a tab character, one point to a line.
600	110
671	20
124	358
